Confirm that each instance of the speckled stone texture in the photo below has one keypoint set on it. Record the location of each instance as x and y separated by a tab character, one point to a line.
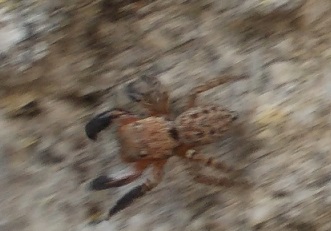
61	62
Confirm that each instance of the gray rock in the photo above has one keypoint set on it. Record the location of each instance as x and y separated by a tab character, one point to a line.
284	73
10	32
265	7
263	211
315	10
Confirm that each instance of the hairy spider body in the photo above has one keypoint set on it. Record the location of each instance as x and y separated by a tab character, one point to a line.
153	140
148	138
204	124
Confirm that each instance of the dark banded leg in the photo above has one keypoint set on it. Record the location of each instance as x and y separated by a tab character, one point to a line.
104	182
139	190
211	84
104	120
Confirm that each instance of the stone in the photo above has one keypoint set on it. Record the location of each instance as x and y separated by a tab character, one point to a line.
327	81
163	227
21	223
306	114
21	105
285	186
172	34
302	196
121	98
199	224
265	7
10	32
271	116
261	213
284	72
182	219
314	10
284	47
106	226
224	5
138	222
159	40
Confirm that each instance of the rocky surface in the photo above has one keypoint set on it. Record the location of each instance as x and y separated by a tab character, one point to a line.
64	61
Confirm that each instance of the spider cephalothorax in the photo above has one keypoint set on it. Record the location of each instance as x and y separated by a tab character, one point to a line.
151	141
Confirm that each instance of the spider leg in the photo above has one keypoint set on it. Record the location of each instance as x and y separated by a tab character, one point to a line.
104	182
211	84
139	190
224	181
104	120
210	180
195	156
150	93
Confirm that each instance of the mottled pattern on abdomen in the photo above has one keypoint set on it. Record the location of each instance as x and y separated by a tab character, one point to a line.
203	125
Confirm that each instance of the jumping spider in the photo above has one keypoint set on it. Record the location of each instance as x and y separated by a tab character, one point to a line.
153	140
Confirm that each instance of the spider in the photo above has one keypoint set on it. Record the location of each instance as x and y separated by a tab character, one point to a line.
151	141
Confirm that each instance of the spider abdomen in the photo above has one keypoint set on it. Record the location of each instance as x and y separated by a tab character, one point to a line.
203	125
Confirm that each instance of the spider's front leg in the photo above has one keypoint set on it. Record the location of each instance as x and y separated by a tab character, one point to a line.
139	190
151	94
104	120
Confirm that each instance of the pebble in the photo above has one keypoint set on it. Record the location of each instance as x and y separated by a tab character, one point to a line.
21	105
163	227
138	222
284	47
159	40
314	10
327	80
286	185
182	218
270	115
197	225
265	7
261	213
106	226
302	196
306	114
10	32
284	72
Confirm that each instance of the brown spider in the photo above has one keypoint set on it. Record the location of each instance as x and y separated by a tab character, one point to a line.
153	140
